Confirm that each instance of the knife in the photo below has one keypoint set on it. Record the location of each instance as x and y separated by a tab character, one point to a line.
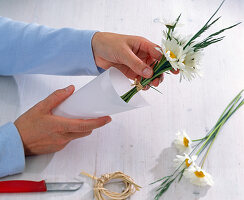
20	186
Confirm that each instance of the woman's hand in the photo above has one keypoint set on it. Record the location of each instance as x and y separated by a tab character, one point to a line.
41	132
132	55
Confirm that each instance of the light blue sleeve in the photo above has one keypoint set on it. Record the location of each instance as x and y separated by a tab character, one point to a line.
36	49
12	157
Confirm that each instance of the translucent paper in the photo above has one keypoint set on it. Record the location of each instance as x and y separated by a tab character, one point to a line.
100	97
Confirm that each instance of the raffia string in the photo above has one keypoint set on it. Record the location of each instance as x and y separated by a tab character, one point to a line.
100	191
137	84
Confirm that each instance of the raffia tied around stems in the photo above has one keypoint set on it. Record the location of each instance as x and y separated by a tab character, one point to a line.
159	67
137	84
100	192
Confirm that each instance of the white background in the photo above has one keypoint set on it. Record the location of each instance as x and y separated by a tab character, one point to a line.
139	142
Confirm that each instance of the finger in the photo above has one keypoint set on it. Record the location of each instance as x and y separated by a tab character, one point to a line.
81	125
146	87
126	71
161	78
149	48
155	82
57	97
150	61
175	71
137	65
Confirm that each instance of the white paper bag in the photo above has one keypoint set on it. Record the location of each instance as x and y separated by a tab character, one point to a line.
100	97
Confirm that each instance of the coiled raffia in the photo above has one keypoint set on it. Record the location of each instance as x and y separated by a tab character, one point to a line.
100	192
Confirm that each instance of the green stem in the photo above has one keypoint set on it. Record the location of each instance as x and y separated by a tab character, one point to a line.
221	121
237	96
209	136
209	149
242	102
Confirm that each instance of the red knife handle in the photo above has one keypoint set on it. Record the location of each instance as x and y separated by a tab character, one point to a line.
20	186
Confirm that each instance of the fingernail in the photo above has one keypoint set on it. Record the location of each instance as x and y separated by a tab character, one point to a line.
161	79
108	120
146	87
69	88
147	72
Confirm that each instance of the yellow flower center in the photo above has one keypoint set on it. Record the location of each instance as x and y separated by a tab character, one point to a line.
199	174
187	162
171	54
185	142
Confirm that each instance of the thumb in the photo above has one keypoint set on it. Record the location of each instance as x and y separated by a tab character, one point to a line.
137	65
57	97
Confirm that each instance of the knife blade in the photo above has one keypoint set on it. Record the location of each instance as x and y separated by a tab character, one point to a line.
21	186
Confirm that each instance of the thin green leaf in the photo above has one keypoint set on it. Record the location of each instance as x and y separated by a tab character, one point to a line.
176	21
172	28
155	89
210	39
206	43
205	27
224	29
181	175
159	180
163	190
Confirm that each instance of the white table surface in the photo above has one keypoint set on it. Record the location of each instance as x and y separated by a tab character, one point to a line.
139	142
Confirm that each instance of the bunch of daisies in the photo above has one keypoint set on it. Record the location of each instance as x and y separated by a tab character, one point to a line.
193	153
179	53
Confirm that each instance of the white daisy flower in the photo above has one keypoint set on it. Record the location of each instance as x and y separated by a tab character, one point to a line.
187	61
184	161
191	64
173	53
182	142
198	176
